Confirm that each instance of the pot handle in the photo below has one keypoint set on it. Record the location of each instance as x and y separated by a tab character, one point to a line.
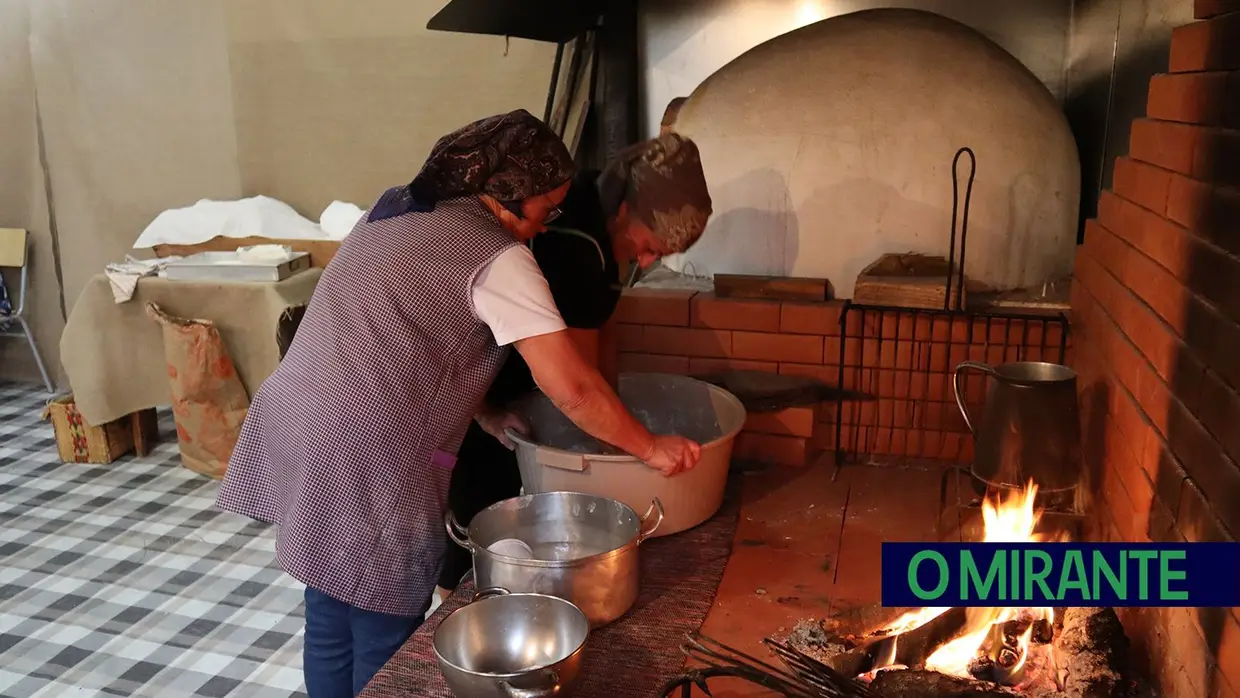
458	533
959	392
488	593
550	688
654	512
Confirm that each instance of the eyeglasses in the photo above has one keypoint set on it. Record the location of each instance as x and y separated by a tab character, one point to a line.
552	215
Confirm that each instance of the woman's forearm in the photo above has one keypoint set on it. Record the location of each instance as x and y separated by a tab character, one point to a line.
596	409
581	393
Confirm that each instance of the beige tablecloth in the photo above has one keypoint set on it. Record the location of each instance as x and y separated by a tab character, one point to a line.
114	354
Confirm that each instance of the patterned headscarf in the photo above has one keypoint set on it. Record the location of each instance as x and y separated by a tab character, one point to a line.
662	182
511	157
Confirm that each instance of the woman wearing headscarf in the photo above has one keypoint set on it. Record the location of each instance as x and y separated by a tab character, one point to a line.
650	202
349	446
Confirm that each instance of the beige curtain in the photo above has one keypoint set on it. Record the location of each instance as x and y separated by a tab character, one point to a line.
147	105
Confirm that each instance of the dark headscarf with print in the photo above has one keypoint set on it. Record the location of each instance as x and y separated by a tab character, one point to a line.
510	157
662	182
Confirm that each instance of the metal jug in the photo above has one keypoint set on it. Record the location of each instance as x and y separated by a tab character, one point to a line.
1030	428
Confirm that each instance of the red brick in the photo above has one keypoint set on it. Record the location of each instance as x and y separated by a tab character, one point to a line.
1232	117
1214	338
810	318
630	337
1217	157
1159	289
1142	184
768	448
1229	653
1216	277
1168	145
827	374
790	348
1210	212
1191	98
701	366
652	306
793	421
705	310
1204	460
1205	9
1219	411
1197	519
631	362
684	341
1208	45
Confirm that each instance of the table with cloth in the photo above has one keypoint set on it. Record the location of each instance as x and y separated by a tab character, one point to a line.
113	352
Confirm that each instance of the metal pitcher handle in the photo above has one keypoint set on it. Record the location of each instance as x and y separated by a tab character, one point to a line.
654	512
488	593
550	688
458	533
956	388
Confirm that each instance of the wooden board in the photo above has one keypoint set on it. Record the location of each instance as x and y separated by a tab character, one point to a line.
907	281
771	287
321	251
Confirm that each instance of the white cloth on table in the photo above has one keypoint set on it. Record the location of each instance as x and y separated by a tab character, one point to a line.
124	276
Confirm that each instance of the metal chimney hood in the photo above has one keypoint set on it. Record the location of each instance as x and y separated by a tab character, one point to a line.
557	21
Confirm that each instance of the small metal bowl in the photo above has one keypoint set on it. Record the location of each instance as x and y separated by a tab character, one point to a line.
512	646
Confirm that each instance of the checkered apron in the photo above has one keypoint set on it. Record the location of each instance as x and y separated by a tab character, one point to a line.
349	445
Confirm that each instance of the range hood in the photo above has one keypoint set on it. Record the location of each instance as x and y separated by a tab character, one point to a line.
557	21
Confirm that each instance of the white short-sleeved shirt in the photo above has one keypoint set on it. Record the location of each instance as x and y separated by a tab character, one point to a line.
511	296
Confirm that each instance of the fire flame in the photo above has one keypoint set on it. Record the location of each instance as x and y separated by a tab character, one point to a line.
1010	521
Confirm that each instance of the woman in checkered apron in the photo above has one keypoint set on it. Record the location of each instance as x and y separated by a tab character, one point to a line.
650	202
348	447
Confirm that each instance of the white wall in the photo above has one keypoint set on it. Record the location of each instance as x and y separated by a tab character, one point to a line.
684	41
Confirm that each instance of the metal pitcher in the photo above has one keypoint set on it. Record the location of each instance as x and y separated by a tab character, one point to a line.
1030	428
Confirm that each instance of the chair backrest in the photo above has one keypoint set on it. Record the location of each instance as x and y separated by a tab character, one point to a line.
12	247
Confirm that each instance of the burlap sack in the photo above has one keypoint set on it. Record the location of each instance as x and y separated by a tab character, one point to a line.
208	398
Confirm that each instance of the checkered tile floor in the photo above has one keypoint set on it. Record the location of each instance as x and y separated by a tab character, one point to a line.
123	580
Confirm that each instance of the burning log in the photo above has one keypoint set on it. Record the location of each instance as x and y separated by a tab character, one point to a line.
931	684
910	648
1091	653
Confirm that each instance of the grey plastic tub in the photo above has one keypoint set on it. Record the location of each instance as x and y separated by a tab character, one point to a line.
559	457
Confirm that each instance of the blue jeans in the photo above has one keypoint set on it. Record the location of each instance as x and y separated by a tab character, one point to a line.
345	646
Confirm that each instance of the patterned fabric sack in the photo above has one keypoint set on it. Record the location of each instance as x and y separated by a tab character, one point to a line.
208	398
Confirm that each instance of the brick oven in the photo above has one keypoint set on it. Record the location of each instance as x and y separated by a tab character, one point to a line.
1155	305
1154	331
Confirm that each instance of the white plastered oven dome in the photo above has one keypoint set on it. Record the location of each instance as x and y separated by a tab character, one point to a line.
830	145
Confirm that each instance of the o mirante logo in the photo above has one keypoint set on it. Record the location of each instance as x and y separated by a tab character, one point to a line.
1061	574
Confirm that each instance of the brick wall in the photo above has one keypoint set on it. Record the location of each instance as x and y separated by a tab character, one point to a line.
903	360
1156	301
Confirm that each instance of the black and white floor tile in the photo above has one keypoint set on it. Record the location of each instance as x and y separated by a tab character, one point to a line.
123	580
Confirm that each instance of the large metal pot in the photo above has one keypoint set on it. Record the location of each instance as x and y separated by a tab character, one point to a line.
504	645
1029	427
584	549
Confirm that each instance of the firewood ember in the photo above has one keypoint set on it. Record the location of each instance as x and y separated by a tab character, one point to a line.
931	684
912	648
817	640
1092	649
1043	631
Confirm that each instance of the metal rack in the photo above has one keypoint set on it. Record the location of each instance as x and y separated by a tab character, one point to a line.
903	357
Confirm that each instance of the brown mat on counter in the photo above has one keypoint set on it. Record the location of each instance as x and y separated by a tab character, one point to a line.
633	656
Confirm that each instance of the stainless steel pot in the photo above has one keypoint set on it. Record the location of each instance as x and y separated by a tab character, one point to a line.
505	645
1029	427
584	549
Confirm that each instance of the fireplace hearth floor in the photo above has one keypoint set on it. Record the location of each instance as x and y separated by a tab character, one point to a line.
807	545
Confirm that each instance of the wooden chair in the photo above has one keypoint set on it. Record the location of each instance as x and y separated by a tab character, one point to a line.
15	252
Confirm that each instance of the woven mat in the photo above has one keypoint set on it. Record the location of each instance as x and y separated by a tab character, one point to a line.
633	656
